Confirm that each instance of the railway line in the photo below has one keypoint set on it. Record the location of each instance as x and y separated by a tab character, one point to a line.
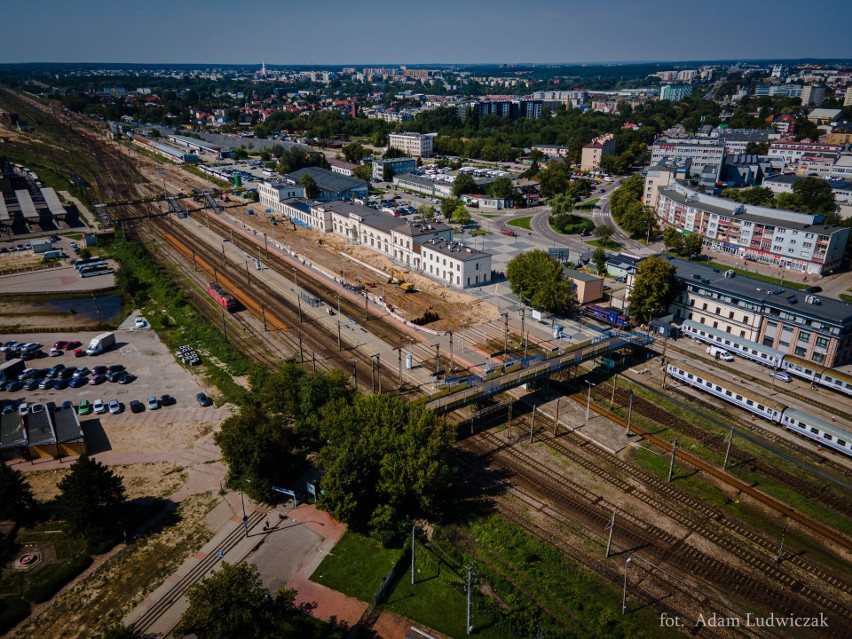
671	553
712	441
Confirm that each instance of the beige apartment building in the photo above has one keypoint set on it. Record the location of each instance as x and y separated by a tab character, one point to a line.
416	145
590	158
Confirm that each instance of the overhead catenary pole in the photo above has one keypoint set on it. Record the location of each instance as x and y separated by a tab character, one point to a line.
728	449
532	425
556	419
629	411
614	386
781	548
354	374
413	542
611	528
671	464
452	361
469	569
624	594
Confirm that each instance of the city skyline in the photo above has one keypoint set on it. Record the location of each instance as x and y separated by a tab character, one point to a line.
440	32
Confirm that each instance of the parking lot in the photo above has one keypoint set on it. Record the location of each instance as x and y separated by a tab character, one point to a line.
157	373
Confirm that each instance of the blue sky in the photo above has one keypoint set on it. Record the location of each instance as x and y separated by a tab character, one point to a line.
419	32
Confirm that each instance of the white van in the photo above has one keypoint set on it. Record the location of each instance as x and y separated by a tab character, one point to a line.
720	353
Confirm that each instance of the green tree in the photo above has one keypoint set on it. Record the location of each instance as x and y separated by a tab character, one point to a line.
448	206
604	233
579	189
354	153
363	172
537	279
673	240
120	631
387	172
461	215
560	204
90	500
502	188
554	179
16	498
599	260
310	186
464	183
654	288
757	148
385	462
425	212
393	152
232	602
692	245
626	196
758	195
816	196
85	253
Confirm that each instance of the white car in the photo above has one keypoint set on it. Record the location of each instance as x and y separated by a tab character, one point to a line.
141	322
98	407
114	407
36	408
153	403
23	409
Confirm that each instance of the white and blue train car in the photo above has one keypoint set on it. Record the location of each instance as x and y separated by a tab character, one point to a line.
759	353
826	433
816	374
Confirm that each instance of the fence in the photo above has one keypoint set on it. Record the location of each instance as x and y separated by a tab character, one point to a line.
29	269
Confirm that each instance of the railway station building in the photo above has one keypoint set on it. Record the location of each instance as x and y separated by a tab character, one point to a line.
332	186
818	329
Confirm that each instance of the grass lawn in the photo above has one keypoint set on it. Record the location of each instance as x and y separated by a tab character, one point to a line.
846	298
758	276
587	206
611	245
356	566
488	215
438	600
521	222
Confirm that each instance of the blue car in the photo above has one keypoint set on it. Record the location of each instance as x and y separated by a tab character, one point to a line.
77	382
14	385
31	384
60	384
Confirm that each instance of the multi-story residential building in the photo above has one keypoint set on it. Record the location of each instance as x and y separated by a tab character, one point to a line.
332	186
841	134
675	92
590	158
847	100
701	151
273	194
798	241
815	328
507	106
551	150
779	90
784	184
791	152
416	145
398	166
736	140
784	123
813	95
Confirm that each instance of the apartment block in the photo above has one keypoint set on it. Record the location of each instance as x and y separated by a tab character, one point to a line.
414	144
590	158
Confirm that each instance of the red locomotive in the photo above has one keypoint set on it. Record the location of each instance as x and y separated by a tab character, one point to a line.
223	297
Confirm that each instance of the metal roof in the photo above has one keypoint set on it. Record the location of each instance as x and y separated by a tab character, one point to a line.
67	426
329	181
758	291
836	430
727	384
733	339
4	212
28	209
40	429
53	203
12	433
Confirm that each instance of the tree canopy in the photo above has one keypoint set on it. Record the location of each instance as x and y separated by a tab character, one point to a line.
310	186
385	462
354	153
599	260
810	195
90	500
460	215
449	205
502	188
16	497
632	216
688	246
464	183
537	279
654	288
232	602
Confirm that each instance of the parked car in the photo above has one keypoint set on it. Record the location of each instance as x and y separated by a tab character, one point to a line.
37	408
59	345
10	346
67	372
13	386
115	376
55	352
99	370
98	407
781	375
23	409
83	371
84	408
45	384
141	323
67	404
31	384
72	345
97	379
127	378
203	400
167	400
60	384
114	407
813	289
136	406
115	367
77	382
153	403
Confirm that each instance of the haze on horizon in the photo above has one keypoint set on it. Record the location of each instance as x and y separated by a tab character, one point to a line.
335	32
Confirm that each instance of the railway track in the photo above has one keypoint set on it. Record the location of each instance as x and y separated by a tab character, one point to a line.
712	441
671	553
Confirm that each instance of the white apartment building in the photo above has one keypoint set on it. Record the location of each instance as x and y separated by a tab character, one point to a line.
273	194
412	144
701	151
791	152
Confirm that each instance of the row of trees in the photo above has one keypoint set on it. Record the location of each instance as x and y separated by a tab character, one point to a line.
688	246
384	461
810	195
632	216
537	279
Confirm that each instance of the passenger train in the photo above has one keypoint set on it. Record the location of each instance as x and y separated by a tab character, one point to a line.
794	419
222	297
772	357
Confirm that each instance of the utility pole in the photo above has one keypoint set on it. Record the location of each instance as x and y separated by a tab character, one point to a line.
266	246
523	317
437	357
532	425
526	342
781	549
301	356
589	400
224	325
629	411
452	361
263	312
671	464
413	541
728	449
354	375
314	360
506	340
556	420
339	339
614	386
611	529
624	595
469	592
366	307
398	350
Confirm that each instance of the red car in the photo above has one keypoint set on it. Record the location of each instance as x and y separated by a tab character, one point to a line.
59	346
72	345
79	353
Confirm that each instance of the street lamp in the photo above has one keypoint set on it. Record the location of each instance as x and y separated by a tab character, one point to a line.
589	400
624	594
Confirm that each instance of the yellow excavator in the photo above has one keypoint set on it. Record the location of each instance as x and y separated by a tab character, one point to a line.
397	278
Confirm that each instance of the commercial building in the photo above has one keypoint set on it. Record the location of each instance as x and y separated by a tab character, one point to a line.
341	167
454	263
825	116
273	194
841	134
592	153
168	151
791	152
588	288
414	144
422	184
812	95
201	146
332	186
847	99
784	184
675	92
798	241
701	152
818	329
398	166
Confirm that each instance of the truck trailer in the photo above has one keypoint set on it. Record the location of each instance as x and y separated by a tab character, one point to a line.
10	370
101	344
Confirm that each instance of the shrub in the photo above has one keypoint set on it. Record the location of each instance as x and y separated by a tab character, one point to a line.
13	610
50	579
